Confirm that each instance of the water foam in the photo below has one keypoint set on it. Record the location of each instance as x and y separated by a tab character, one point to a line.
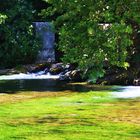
29	76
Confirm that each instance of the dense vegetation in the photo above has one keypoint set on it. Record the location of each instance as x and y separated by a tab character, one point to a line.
94	34
18	43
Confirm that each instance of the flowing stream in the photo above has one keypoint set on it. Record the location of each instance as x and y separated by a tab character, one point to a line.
42	81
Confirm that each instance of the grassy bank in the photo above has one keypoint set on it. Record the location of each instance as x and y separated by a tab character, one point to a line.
93	115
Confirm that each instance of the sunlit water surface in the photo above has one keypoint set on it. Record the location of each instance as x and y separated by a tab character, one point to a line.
127	92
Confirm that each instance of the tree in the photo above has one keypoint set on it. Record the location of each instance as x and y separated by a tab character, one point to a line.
84	37
18	43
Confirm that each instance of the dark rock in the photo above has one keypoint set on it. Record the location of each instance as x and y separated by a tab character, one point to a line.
40	67
4	71
16	70
120	78
72	66
13	71
66	76
56	68
46	70
136	82
73	75
29	67
19	69
76	75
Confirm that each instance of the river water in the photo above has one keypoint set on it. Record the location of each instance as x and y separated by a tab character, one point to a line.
47	82
127	92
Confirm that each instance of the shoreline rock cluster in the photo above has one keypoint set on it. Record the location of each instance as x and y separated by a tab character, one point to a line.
68	72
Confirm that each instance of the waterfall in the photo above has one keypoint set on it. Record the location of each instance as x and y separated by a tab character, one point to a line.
46	35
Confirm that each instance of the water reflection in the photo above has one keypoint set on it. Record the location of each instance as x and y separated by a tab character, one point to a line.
15	86
12	86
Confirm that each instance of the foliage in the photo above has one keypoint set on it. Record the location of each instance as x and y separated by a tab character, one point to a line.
94	32
18	43
2	18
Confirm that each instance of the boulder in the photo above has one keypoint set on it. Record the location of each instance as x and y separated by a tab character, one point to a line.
76	75
56	68
40	67
66	76
4	71
136	82
71	67
73	75
13	71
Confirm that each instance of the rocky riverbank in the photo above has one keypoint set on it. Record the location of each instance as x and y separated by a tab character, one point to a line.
68	72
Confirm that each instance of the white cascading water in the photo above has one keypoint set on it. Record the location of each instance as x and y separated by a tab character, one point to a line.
39	75
47	37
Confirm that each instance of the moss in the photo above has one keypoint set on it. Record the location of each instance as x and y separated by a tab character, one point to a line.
93	115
